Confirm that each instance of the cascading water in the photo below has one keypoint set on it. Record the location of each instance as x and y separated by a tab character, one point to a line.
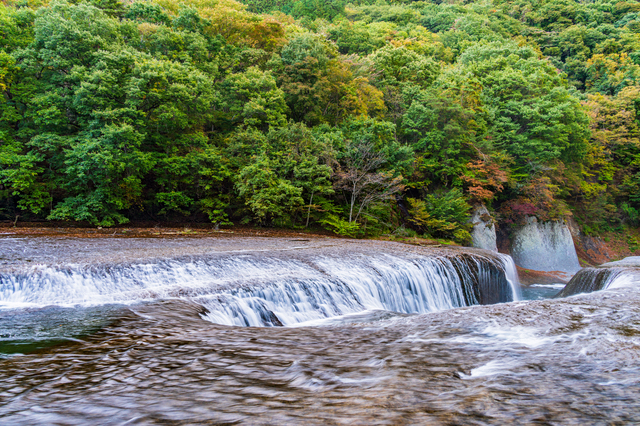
345	286
623	273
250	290
512	276
122	331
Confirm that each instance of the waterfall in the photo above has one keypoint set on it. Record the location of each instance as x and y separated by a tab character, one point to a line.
252	290
622	273
511	275
588	280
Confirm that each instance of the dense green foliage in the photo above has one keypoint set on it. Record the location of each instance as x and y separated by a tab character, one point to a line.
359	117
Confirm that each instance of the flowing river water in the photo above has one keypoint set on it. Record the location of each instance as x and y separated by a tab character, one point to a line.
313	331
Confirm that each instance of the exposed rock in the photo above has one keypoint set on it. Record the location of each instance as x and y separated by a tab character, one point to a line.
627	262
484	229
592	250
574	228
529	276
544	246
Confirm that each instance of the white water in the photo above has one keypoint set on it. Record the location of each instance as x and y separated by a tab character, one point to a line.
492	368
623	273
344	286
248	290
512	275
627	278
557	286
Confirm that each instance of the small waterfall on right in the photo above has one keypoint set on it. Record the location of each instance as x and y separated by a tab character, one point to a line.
588	280
623	273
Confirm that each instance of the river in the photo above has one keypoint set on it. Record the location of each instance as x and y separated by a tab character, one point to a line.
154	331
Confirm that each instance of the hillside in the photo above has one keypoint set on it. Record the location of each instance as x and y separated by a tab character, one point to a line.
362	118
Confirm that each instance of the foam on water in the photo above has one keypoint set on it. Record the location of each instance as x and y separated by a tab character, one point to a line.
558	286
512	275
492	368
625	279
250	290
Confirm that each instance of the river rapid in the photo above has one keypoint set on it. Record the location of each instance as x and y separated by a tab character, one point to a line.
135	331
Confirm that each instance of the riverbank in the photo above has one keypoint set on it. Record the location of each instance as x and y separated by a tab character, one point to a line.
607	246
195	230
592	251
149	230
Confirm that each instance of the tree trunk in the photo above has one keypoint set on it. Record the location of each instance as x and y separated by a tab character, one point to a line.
309	210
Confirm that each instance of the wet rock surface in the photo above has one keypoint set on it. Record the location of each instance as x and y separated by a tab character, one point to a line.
627	262
555	361
529	277
544	246
162	360
25	251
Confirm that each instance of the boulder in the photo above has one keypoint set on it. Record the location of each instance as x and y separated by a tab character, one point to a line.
484	230
544	246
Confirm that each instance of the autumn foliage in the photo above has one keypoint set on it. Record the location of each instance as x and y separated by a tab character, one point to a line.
363	118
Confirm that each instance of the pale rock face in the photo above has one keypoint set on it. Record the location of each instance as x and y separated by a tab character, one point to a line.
484	230
544	246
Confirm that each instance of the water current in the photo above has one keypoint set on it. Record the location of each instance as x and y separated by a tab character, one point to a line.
268	331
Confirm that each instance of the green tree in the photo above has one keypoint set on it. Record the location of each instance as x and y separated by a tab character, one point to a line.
535	118
252	99
321	87
442	215
290	167
444	130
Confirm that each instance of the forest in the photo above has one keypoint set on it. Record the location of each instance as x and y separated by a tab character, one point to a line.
362	118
